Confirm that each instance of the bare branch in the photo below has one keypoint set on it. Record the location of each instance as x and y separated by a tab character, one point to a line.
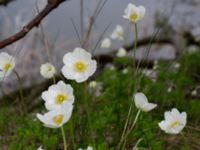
33	23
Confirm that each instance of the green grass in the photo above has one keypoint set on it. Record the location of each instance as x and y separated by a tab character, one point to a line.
99	121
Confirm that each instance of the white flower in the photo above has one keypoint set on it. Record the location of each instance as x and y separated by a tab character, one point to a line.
78	65
174	121
125	71
57	95
106	43
155	65
89	148
194	92
7	64
177	65
169	89
40	148
134	13
95	88
121	52
142	103
47	70
93	84
118	33
151	74
110	67
56	118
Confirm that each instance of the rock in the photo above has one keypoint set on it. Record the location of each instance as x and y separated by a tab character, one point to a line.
166	52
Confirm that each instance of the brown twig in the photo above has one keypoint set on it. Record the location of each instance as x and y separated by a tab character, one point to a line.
33	23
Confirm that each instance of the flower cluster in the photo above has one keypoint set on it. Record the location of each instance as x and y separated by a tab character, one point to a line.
59	98
174	120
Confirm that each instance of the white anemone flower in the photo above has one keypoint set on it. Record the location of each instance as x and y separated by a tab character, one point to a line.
141	102
106	43
40	148
78	65
134	13
57	95
89	148
47	70
7	64
121	52
118	33
174	121
56	118
125	71
93	84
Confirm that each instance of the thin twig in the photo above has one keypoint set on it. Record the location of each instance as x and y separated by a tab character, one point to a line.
33	23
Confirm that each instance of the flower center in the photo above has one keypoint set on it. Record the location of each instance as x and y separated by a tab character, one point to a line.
80	66
174	124
49	68
57	120
119	34
6	67
60	98
134	17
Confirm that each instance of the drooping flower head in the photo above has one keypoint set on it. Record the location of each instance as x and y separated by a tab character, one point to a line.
118	33
78	65
134	13
47	70
141	102
174	121
106	43
7	64
57	95
56	118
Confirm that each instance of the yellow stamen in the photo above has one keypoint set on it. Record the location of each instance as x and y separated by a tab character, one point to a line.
174	124
60	98
57	120
134	17
6	67
80	66
119	34
49	68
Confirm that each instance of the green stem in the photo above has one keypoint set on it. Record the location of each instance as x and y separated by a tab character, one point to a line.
134	77
131	128
64	138
54	79
125	127
135	121
136	37
21	92
87	107
134	54
72	135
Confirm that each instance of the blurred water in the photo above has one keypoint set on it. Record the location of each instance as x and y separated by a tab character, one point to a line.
59	20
